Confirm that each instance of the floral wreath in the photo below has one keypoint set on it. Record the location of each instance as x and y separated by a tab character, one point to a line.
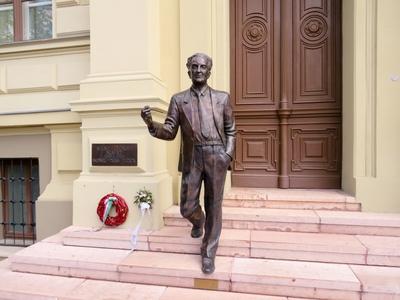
104	208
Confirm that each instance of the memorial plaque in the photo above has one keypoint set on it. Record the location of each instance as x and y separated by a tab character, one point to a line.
114	155
205	284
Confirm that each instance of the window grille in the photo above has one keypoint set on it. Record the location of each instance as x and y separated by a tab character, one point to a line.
19	179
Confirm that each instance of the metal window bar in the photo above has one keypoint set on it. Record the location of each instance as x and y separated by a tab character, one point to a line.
19	191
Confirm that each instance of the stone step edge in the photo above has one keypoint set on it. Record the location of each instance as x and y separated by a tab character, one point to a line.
246	246
319	217
326	200
335	206
65	262
259	194
87	289
290	200
328	281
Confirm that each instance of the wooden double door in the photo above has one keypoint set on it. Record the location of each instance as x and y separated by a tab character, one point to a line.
286	92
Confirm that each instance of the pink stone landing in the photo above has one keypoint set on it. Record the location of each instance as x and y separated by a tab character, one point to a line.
179	293
289	194
96	289
177	239
56	259
294	273
308	247
105	238
290	199
290	220
378	282
257	214
270	219
362	223
172	269
296	279
256	218
229	237
18	286
382	250
22	286
174	264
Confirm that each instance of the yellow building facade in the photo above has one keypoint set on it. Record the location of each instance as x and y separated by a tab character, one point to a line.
107	59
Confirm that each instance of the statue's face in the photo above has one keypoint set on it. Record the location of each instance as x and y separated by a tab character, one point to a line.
199	71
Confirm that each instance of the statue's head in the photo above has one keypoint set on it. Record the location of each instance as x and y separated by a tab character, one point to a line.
199	68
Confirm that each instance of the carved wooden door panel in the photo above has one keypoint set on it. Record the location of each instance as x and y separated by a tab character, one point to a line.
286	92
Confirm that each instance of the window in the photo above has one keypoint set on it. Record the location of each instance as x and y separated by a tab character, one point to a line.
22	20
19	190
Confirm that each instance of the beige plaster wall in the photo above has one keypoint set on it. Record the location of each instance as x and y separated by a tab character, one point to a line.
44	76
170	75
39	79
380	192
371	89
71	18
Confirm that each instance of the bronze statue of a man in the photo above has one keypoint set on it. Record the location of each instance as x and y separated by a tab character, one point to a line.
208	141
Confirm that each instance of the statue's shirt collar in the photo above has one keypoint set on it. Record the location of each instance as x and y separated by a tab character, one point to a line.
202	92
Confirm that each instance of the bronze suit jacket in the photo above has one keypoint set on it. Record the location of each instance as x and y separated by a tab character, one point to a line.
180	114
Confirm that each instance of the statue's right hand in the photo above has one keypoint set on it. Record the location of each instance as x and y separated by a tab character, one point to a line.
146	115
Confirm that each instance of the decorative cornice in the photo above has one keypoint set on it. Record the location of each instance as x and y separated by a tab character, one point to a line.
110	104
39	118
69	3
45	47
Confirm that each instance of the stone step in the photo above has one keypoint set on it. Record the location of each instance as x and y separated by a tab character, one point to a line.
291	199
318	247
292	220
18	286
233	274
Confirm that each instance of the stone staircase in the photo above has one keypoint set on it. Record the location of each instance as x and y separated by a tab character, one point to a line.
329	250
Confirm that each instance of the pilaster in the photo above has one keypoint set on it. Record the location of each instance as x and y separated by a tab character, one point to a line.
54	206
124	76
370	103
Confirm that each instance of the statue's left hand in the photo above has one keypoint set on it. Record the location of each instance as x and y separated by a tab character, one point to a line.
146	116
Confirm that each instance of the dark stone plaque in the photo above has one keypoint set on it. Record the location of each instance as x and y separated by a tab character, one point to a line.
114	154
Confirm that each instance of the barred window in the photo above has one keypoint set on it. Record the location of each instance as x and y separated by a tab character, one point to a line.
19	190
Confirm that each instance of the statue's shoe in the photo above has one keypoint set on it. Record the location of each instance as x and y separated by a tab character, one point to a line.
207	265
197	231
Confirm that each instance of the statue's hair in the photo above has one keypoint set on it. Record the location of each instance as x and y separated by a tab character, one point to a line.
207	58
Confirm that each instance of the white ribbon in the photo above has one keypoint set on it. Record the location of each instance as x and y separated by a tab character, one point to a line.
108	203
144	209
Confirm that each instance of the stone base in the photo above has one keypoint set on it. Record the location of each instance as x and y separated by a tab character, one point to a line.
88	190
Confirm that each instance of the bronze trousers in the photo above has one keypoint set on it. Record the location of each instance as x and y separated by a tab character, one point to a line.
210	164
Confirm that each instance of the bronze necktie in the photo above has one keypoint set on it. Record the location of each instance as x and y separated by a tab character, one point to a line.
203	111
